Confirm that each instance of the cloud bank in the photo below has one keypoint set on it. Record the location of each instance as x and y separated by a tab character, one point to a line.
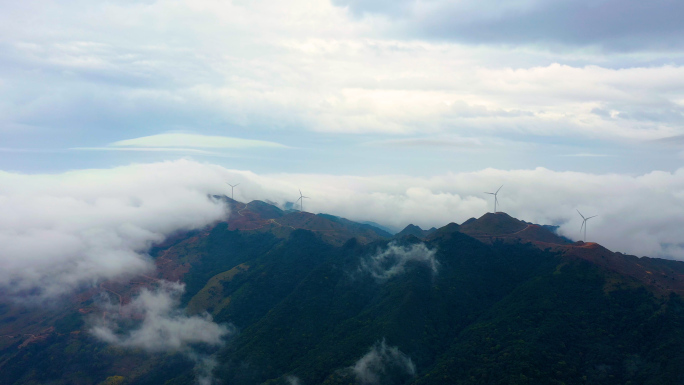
392	261
637	214
60	232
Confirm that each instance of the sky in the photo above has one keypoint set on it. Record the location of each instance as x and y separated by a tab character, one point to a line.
343	87
118	118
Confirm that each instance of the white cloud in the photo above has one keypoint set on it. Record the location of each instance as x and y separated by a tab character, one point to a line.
163	327
392	261
59	232
382	365
266	66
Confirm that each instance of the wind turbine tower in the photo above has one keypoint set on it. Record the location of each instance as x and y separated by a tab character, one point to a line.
496	200
231	189
584	224
301	198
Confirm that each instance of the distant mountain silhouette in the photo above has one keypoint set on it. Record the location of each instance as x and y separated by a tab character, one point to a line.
415	231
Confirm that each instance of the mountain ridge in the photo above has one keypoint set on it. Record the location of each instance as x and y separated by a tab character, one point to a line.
488	301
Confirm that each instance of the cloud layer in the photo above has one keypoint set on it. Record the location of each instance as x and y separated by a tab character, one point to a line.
268	70
60	232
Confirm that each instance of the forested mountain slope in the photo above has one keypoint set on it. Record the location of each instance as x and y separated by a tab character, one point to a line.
317	299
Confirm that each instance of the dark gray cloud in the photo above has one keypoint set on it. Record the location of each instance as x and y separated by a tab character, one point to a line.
611	24
672	140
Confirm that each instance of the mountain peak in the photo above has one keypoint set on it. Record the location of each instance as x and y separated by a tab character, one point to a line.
493	224
411	229
415	231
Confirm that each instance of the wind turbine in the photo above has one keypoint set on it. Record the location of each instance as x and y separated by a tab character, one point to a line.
301	197
584	224
231	189
496	200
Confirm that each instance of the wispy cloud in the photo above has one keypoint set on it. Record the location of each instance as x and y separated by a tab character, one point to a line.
393	260
293	380
163	327
430	142
151	149
30	150
383	364
588	155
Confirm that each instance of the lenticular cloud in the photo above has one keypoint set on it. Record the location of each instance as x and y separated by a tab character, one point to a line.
60	232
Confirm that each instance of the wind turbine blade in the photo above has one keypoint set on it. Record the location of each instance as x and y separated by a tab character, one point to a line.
582	227
593	216
237	184
490	193
580	214
497	191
